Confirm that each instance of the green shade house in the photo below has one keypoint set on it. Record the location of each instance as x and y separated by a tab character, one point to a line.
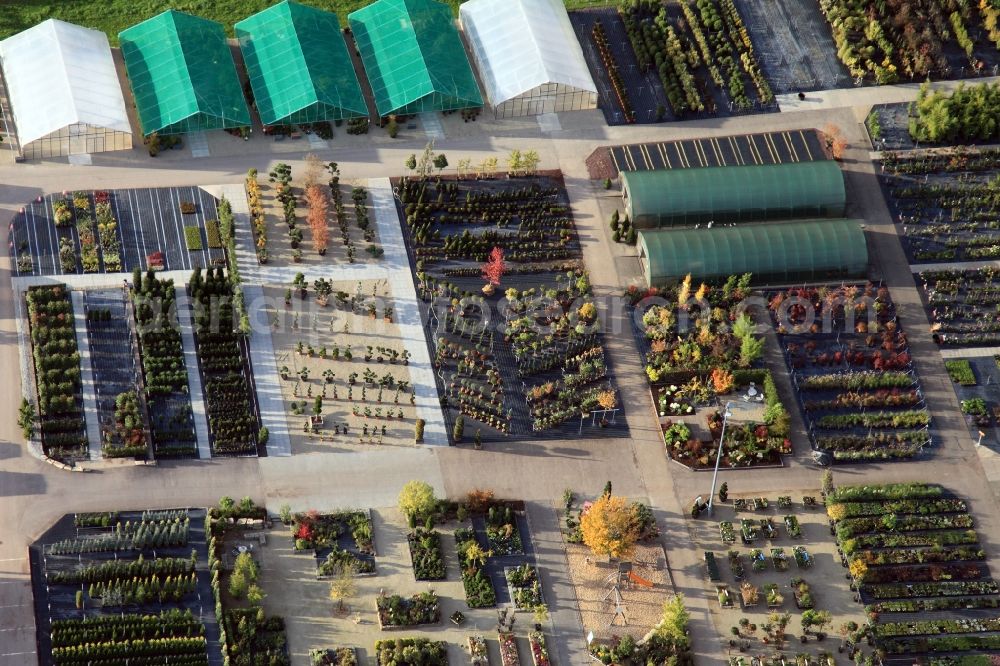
182	75
413	57
753	193
775	253
299	67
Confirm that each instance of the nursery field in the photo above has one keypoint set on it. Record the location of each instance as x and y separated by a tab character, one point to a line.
119	584
962	305
904	40
659	61
516	340
915	559
773	576
947	204
852	370
343	365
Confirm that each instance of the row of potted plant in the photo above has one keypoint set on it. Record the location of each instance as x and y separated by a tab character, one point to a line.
258	223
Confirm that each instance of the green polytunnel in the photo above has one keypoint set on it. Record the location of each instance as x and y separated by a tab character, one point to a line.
182	75
775	253
752	193
414	57
299	67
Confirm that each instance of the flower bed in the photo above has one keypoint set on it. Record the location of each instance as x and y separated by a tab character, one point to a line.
426	555
396	612
411	652
470	243
502	532
848	356
232	420
905	573
57	372
479	592
163	366
339	540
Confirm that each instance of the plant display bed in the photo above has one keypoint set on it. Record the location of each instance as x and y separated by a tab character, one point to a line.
508	649
904	42
251	636
946	203
338	540
851	366
478	652
121	408
343	656
539	370
703	354
911	548
57	372
344	366
164	369
411	652
118	585
225	368
479	591
525	587
396	612
426	554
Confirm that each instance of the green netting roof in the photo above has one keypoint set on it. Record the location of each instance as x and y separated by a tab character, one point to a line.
414	57
672	197
182	75
781	252
299	67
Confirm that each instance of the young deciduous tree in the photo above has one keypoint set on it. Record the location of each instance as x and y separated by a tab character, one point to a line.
610	527
673	625
343	587
417	499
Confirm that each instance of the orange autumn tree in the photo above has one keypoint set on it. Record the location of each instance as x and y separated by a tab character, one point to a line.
610	527
318	207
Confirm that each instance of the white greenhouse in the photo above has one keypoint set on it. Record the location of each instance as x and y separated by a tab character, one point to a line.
528	56
64	92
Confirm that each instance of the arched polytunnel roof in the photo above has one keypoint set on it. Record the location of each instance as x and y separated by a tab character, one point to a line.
522	44
59	74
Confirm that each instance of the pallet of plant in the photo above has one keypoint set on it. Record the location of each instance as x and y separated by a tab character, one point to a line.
711	566
539	653
802	558
749	594
726	531
736	564
161	354
779	559
411	652
426	554
56	361
396	612
222	359
525	587
508	649
507	251
478	653
802	593
723	595
479	591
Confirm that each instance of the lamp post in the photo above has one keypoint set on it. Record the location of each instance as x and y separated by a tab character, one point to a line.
718	455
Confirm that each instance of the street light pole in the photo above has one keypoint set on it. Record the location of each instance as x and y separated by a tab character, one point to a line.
718	455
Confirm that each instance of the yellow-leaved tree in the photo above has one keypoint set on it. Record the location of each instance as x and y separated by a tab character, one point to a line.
610	526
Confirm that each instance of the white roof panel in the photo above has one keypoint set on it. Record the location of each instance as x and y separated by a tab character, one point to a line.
60	74
522	44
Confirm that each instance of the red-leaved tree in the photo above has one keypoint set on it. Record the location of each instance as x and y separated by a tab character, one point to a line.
494	269
318	207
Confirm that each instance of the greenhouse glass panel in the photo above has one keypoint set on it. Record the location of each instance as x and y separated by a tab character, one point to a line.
59	75
780	252
685	197
299	67
414	57
522	45
182	75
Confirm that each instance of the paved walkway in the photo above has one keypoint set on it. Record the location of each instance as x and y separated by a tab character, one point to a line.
86	376
956	266
407	310
969	352
265	374
867	95
194	377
